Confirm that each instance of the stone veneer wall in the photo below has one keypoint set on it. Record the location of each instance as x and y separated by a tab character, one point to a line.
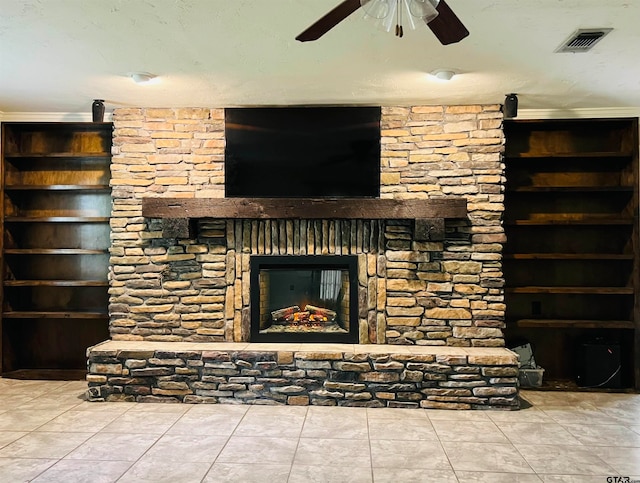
428	293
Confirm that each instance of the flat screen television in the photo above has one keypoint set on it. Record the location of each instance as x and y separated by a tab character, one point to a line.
302	152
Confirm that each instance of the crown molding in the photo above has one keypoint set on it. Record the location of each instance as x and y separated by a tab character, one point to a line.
49	117
597	112
600	112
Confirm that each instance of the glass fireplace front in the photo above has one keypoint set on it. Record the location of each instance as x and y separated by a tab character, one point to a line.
308	298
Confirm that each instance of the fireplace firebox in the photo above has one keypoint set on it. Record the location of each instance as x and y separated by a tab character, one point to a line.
306	298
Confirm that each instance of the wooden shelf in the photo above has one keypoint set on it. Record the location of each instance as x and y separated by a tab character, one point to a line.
593	220
54	251
568	256
57	219
47	374
576	324
572	290
41	156
570	155
57	187
55	283
34	314
570	189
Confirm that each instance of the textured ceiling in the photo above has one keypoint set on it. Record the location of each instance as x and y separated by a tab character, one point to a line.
58	55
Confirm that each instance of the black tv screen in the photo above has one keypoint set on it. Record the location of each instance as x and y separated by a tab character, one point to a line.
302	152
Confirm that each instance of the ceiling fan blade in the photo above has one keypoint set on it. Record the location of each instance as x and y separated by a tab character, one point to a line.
330	20
447	27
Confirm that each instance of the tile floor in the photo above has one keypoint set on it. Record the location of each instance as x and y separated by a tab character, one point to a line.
49	434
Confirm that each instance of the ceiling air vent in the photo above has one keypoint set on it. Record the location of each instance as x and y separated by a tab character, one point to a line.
583	40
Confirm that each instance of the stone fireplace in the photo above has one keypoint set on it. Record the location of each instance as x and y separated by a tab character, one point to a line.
396	259
425	298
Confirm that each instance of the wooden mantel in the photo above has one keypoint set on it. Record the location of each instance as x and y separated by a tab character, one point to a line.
429	214
303	208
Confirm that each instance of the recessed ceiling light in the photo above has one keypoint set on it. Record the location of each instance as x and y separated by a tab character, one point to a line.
443	74
142	77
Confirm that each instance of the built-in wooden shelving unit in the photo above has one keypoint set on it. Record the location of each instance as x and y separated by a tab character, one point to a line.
571	257
55	223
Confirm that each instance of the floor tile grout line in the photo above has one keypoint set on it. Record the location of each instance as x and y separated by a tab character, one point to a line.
293	460
133	463
45	470
63	412
157	439
533	470
564	446
503	433
446	454
498	472
124	472
226	442
367	419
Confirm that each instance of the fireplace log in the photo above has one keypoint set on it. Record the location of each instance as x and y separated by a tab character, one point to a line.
282	314
329	314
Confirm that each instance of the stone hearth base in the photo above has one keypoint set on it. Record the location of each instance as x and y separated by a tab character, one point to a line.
304	374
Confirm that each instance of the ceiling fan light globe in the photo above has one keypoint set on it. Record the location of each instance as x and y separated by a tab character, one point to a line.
424	9
378	9
398	8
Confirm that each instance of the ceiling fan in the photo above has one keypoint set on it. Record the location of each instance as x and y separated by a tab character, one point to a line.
436	14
